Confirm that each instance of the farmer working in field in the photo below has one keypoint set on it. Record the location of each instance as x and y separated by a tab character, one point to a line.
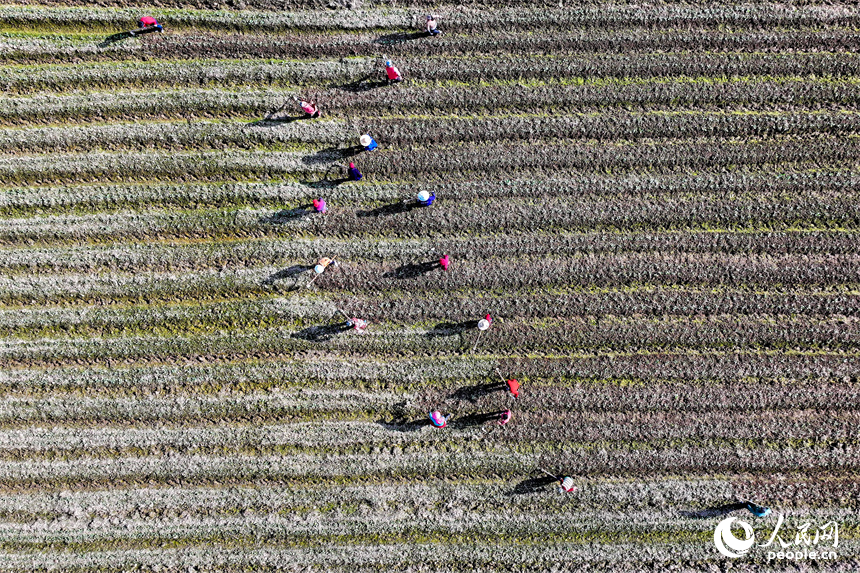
438	420
430	26
148	22
566	485
514	388
368	142
444	262
426	199
392	73
320	206
323	264
485	322
354	173
310	108
506	417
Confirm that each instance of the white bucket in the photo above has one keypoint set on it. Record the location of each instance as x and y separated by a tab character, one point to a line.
365	139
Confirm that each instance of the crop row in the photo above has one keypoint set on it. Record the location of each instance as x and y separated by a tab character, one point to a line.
436	163
619	461
572	335
676	381
516	17
465	250
190	45
671	93
587	271
763	184
616	125
420	557
523	215
244	314
321	73
561	429
665	498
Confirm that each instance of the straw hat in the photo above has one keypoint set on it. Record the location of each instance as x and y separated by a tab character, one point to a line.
423	195
365	139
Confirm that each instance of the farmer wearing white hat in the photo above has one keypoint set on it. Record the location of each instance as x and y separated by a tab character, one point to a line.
323	264
426	199
485	322
368	142
392	72
566	485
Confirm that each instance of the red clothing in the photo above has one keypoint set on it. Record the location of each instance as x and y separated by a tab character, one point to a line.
514	387
443	262
319	205
148	21
489	319
393	73
308	108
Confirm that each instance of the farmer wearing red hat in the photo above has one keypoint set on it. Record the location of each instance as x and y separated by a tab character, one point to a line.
514	388
320	206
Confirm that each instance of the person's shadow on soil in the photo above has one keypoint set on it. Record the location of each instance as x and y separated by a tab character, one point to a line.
113	38
322	333
272	120
400	38
404	425
325	155
391	209
714	511
478	391
362	84
412	270
472	420
287	273
451	328
533	485
287	215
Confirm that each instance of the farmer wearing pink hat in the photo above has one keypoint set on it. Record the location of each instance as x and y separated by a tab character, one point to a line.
444	262
310	108
354	173
319	205
506	417
438	420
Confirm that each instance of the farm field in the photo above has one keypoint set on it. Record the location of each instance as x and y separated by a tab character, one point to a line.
658	205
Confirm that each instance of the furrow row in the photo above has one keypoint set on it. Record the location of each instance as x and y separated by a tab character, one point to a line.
357	71
480	97
830	182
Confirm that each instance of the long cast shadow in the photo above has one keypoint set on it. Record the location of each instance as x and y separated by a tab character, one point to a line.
113	38
322	333
478	391
403	425
392	209
475	419
533	485
362	84
451	328
400	37
287	215
412	270
714	511
274	121
287	273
